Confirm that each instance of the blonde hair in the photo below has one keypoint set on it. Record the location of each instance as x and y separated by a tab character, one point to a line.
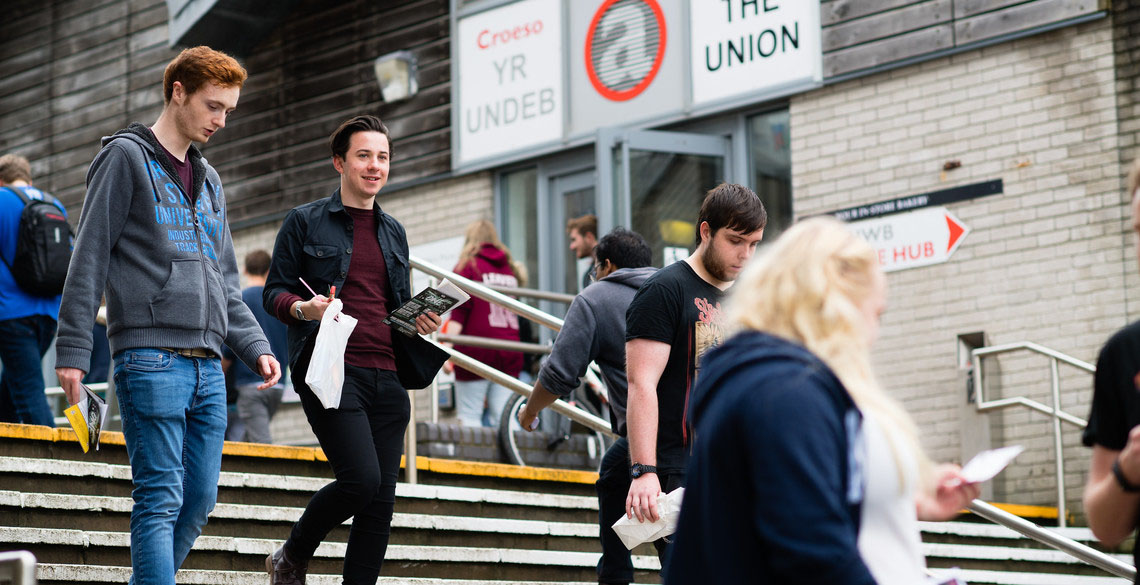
480	232
807	287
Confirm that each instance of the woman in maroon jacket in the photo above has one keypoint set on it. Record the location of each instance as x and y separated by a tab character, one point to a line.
485	259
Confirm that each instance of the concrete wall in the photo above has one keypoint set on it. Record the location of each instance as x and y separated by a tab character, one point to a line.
1046	261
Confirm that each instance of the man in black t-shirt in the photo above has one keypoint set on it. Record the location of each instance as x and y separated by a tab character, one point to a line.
671	322
1112	494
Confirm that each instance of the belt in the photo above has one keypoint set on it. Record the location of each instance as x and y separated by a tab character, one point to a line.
194	352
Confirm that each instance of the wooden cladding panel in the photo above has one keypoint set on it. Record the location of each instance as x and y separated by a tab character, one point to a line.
865	34
837	11
73	71
888	24
1022	16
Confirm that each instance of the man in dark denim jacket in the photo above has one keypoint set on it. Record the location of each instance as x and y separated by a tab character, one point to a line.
346	245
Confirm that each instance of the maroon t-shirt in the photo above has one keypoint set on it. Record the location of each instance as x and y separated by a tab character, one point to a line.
365	292
184	168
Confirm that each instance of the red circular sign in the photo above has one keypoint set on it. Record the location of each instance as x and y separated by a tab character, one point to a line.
624	47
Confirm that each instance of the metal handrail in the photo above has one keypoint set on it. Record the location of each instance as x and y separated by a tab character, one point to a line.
489	343
530	293
517	386
23	565
1054	411
478	368
1050	538
479	290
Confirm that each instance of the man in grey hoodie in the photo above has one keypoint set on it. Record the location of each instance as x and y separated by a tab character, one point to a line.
594	329
153	236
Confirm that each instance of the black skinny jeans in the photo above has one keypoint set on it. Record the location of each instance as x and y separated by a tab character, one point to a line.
374	409
616	564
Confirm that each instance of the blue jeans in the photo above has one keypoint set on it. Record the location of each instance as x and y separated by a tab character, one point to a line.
23	343
480	402
174	422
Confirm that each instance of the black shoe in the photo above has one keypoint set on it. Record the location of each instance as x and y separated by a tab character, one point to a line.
282	571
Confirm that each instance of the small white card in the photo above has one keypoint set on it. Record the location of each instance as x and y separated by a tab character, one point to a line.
987	464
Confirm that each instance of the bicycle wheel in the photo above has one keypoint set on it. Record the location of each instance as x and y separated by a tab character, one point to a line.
557	439
508	426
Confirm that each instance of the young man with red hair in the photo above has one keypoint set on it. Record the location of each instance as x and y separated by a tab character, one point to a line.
153	236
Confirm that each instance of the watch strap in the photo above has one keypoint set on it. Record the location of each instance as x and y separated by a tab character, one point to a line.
1123	481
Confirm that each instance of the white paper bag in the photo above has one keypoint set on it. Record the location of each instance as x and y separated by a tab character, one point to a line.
326	370
632	533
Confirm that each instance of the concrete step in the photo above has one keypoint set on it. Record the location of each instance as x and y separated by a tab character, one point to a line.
78	547
465	523
84	574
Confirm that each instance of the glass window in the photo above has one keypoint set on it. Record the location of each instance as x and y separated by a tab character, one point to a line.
667	191
769	143
518	201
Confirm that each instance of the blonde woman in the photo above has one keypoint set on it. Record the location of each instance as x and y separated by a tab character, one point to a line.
804	470
485	259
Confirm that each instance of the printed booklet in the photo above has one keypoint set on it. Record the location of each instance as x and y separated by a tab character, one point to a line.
440	299
87	417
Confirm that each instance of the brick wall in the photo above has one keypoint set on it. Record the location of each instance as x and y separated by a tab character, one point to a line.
1046	261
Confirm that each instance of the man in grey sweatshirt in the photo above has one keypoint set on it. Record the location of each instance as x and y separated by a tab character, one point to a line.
594	330
153	237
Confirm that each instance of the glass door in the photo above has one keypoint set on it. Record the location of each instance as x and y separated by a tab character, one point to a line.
654	183
571	195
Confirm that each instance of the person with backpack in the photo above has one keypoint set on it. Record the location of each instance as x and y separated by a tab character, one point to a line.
35	245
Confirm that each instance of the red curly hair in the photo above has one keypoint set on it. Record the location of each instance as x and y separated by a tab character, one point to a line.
197	66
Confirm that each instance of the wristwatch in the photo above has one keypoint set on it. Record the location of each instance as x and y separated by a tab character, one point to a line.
637	470
1123	481
297	311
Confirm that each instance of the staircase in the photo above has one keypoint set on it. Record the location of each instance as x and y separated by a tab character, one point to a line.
464	523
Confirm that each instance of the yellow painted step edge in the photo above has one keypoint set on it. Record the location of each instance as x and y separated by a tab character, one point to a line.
450	466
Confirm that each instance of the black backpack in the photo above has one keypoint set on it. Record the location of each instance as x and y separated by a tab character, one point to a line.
43	246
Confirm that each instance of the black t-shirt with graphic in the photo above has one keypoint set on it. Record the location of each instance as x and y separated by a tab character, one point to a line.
1116	395
677	307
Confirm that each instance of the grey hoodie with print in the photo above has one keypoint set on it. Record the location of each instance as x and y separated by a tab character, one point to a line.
164	259
594	330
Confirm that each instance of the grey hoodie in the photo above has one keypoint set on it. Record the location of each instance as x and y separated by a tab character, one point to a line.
164	259
594	330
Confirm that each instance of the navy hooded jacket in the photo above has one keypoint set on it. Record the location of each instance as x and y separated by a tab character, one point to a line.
774	485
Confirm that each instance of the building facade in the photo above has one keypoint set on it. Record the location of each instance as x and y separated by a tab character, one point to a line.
981	146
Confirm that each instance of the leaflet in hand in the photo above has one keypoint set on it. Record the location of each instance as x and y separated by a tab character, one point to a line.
439	300
87	417
987	464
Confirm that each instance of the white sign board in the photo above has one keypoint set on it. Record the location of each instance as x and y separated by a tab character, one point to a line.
510	78
917	238
753	46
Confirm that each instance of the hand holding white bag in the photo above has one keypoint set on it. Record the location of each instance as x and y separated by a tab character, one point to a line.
326	369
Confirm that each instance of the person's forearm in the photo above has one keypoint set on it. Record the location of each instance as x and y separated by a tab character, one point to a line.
641	424
540	398
1111	511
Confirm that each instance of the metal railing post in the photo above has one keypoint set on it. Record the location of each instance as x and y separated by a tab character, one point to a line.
434	381
410	458
1054	411
23	565
1062	521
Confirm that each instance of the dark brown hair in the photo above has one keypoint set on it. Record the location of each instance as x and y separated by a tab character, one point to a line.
587	224
732	206
257	262
340	138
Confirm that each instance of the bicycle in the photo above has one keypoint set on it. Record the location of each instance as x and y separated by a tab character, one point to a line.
558	441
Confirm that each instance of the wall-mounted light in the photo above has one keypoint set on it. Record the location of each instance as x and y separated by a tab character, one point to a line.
396	74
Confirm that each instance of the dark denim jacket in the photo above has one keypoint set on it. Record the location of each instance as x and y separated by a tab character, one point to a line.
315	243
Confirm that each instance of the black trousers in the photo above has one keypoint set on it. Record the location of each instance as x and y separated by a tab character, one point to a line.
374	411
616	564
